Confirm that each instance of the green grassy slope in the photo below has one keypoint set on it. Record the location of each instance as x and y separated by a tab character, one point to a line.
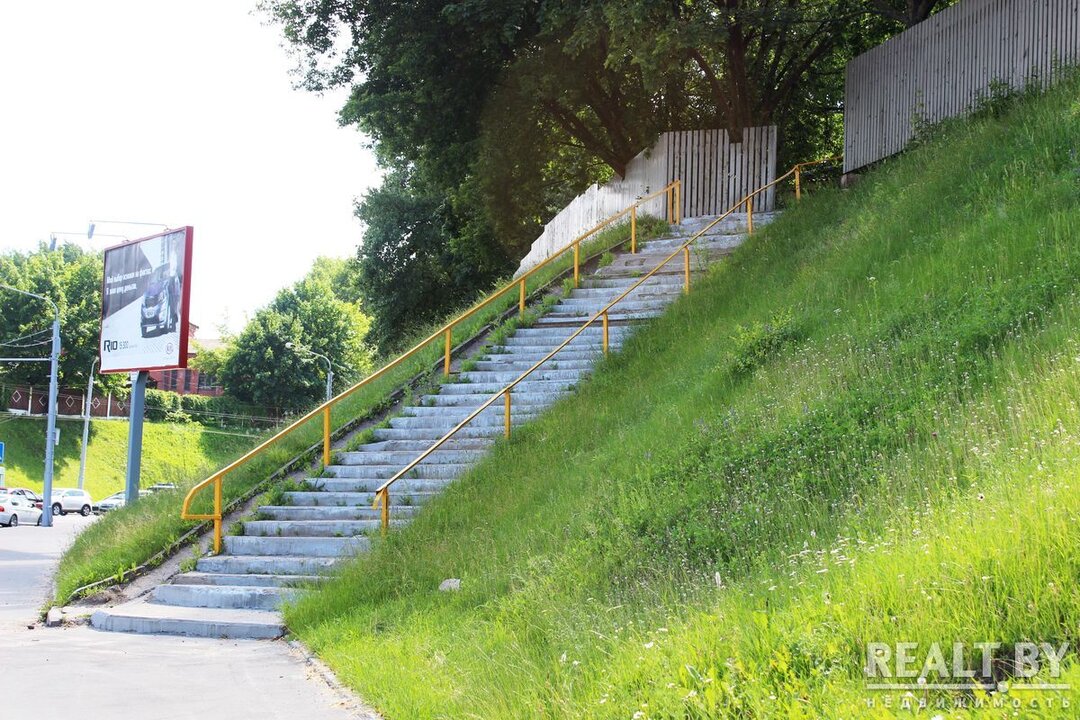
863	428
172	453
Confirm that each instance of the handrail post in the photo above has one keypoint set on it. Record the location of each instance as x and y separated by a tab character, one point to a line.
217	515
521	297
326	436
686	268
384	514
750	215
446	353
605	333
798	182
678	202
506	419
633	230
671	203
577	264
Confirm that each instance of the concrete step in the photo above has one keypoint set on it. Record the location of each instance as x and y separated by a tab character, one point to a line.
486	376
294	546
265	565
248	597
202	578
313	528
348	475
333	512
430	435
588	306
370	484
537	332
491	416
526	352
645	291
522	365
615	315
488	389
517	398
401	496
155	619
401	457
419	446
624	282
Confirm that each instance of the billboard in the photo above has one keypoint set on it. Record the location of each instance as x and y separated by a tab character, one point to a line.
144	303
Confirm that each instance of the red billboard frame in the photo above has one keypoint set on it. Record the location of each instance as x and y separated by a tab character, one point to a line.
185	295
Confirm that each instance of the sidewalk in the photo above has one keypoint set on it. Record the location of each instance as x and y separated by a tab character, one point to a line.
78	672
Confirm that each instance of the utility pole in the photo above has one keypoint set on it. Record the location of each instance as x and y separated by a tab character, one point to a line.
86	424
50	430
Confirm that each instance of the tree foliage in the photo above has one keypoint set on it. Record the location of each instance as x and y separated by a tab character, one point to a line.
491	114
71	278
316	314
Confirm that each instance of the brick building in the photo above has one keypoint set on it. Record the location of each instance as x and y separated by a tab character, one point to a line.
189	381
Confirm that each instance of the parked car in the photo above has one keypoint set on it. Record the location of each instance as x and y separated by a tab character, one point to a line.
65	500
27	493
15	509
114	501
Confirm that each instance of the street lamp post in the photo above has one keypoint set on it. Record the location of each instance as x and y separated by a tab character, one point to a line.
50	429
86	424
329	367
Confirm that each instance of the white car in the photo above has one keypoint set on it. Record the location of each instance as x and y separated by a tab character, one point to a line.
114	501
65	500
15	509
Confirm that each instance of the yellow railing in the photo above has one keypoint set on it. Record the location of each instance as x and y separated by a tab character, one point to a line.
382	494
673	191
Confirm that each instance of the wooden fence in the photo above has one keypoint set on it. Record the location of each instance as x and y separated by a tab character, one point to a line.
715	174
943	66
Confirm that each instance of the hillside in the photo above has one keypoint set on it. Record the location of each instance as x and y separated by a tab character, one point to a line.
171	453
861	428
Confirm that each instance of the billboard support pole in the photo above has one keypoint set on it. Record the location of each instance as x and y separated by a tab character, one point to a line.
135	428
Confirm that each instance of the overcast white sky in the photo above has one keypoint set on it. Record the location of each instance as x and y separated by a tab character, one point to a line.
180	113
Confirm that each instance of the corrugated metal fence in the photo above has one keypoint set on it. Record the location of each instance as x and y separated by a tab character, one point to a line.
715	174
942	67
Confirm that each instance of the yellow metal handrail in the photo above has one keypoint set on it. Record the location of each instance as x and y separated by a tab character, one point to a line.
673	191
382	494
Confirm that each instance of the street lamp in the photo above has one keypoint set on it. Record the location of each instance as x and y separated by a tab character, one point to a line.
50	429
329	366
86	424
95	223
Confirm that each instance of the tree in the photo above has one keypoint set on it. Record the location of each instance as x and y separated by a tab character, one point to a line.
71	278
260	369
491	114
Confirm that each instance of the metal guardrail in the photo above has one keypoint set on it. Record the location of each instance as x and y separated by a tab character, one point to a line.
382	494
673	193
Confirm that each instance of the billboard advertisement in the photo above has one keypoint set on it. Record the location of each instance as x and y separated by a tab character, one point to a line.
144	303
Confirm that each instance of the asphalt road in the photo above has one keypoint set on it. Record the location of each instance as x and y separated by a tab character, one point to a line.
28	555
79	672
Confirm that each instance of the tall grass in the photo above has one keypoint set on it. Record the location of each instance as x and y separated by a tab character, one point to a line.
127	538
860	428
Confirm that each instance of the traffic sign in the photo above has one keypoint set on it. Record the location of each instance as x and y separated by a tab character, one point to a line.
1	453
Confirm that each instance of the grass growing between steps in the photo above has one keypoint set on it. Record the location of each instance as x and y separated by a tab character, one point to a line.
862	427
127	538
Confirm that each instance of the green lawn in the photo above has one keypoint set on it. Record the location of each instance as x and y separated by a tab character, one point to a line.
172	453
862	428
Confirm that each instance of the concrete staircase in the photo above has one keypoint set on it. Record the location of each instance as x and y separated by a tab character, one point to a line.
287	547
